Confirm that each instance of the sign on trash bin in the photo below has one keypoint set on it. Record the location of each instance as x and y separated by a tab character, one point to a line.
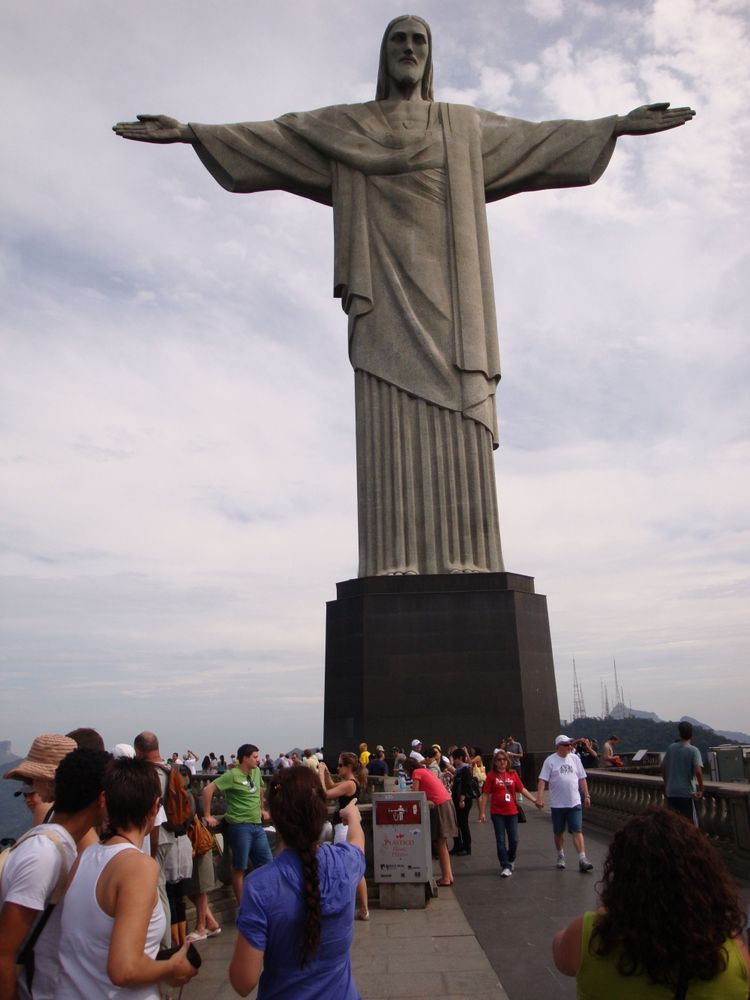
401	846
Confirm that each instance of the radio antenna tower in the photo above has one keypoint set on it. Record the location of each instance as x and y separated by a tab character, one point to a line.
619	693
605	701
579	709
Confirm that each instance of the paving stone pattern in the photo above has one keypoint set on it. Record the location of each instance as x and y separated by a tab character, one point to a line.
484	932
398	955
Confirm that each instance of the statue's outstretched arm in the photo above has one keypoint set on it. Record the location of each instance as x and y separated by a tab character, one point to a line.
651	118
155	128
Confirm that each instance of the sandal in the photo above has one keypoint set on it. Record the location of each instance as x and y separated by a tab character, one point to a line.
441	882
359	915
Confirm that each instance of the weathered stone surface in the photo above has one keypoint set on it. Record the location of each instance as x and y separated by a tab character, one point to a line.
466	657
408	179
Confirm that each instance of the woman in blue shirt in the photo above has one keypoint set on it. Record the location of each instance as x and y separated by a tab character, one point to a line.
296	916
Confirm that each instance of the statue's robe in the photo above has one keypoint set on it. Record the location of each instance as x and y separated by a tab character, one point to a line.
412	268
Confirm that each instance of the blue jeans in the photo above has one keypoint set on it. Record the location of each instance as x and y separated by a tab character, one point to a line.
505	826
248	841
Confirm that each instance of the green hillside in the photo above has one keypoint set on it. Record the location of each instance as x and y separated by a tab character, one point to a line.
641	734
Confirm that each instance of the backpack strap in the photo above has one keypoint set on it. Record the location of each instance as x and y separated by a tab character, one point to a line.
25	956
59	891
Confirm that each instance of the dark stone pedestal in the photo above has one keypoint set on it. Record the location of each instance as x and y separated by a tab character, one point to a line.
444	659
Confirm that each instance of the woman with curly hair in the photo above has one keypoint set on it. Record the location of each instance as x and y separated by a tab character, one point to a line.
670	923
295	920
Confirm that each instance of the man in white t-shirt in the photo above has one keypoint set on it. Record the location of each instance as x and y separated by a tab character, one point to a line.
34	875
563	772
416	751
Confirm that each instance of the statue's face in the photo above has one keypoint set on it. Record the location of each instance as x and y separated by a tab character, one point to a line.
407	49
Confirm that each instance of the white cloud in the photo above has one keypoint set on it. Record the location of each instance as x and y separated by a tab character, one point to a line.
177	416
545	10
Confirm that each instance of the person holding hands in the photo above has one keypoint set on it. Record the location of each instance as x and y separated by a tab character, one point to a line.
568	791
501	786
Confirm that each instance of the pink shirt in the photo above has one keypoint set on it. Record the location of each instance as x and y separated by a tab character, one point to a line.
432	786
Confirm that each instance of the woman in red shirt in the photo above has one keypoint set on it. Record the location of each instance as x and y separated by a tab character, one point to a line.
442	817
501	786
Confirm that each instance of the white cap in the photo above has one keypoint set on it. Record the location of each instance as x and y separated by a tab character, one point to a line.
123	750
562	739
416	743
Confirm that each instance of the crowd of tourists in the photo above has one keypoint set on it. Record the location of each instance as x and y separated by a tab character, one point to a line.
92	897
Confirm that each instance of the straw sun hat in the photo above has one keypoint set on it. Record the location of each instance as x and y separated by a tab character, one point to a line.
42	759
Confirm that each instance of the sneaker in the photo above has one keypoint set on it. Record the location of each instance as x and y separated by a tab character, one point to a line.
511	865
506	872
561	861
585	865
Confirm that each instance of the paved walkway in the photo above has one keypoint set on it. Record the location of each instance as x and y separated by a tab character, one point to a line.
398	955
484	932
514	919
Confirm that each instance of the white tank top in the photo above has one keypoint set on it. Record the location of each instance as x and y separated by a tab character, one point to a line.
87	931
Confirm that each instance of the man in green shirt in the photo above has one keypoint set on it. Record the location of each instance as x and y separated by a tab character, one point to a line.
243	790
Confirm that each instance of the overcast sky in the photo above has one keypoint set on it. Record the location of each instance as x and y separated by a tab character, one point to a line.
177	427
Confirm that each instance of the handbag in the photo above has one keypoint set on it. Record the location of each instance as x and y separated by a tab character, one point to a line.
200	838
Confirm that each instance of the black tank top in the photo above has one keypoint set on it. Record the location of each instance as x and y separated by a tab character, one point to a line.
344	800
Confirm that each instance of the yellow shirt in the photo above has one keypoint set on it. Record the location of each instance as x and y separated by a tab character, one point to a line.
598	977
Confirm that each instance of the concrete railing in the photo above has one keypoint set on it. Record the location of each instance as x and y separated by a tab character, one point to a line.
723	812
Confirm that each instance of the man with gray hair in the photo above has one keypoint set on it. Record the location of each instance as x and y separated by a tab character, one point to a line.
563	772
146	745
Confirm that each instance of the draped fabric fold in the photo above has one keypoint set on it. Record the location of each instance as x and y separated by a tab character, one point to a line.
425	485
412	268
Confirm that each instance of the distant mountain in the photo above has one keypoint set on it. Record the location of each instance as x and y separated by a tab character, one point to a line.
641	734
621	711
735	737
14	816
6	752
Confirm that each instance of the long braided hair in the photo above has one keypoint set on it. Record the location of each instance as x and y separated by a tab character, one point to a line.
298	810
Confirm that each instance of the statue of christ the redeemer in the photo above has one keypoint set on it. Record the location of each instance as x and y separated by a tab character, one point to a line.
408	179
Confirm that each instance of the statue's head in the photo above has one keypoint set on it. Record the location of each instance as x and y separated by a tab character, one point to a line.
405	54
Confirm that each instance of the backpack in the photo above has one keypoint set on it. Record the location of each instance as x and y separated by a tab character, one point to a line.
178	805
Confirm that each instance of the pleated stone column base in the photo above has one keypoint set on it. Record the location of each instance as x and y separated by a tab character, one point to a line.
452	658
426	495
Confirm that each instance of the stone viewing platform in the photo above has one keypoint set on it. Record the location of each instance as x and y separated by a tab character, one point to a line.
723	812
487	938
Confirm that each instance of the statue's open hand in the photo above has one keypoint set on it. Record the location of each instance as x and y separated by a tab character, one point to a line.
152	128
653	118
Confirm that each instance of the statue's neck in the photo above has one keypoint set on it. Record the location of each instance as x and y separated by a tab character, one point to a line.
407	114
